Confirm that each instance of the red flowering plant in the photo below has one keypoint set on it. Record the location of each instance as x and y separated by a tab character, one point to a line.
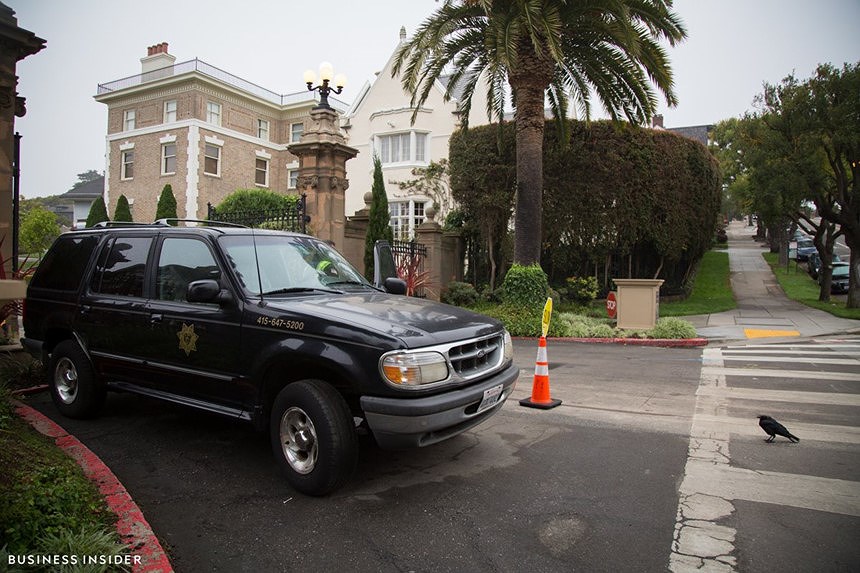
25	270
409	269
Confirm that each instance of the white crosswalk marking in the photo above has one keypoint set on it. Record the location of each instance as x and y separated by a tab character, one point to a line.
711	483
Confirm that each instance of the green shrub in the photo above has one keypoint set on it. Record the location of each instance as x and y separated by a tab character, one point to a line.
525	286
602	331
582	290
166	208
122	212
460	294
671	327
98	212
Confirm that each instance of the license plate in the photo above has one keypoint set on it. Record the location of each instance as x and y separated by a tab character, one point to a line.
491	398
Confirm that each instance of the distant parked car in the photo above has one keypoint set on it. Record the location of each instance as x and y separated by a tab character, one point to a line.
804	248
839	282
813	263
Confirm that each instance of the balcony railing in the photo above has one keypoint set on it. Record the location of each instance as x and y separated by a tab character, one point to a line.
203	68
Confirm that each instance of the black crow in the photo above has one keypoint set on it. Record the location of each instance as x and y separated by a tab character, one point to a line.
773	428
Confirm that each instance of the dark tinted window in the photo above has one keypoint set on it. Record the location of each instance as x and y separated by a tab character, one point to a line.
121	267
181	262
65	263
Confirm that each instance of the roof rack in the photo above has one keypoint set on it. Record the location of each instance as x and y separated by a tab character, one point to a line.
166	222
106	224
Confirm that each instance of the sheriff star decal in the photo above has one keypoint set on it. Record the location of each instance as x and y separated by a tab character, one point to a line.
187	338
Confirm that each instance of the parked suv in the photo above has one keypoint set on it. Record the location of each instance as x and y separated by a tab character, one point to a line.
271	327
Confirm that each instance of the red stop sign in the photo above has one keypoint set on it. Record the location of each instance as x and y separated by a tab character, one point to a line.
611	305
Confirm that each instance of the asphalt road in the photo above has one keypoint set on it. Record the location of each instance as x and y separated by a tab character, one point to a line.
654	458
588	486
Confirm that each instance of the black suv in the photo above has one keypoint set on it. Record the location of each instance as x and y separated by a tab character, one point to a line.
271	327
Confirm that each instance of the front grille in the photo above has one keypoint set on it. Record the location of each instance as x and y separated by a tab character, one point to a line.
477	356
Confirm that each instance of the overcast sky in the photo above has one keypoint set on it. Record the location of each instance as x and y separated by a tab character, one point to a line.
732	47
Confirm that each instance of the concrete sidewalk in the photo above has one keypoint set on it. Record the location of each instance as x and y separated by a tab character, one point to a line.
763	310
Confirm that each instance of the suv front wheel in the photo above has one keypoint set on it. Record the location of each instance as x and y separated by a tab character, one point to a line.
313	436
75	388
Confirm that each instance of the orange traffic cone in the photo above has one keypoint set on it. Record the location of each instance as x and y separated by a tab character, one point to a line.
540	388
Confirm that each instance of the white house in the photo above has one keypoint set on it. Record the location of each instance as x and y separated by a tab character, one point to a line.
380	121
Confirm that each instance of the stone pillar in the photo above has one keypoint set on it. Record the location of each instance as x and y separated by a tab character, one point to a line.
15	44
355	235
323	153
443	263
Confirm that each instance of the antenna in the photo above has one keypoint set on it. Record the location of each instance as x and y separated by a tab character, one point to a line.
257	262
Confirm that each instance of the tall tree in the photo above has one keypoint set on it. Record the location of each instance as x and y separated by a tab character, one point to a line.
817	125
553	49
86	177
379	226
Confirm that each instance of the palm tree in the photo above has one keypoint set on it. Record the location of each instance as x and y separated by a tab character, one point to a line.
560	50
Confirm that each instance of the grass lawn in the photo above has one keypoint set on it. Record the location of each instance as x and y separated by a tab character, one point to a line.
47	505
799	286
712	291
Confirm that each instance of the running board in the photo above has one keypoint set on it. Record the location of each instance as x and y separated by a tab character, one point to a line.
183	400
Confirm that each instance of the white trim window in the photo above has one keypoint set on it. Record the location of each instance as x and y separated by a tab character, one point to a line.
405	218
296	130
168	159
212	160
292	179
170	108
263	129
261	172
409	147
213	113
127	165
128	119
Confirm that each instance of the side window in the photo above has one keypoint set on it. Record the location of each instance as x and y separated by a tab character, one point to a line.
64	265
121	267
182	261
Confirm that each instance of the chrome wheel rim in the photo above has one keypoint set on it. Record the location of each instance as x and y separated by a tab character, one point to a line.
66	380
299	440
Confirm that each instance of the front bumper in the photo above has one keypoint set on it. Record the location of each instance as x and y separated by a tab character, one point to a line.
416	422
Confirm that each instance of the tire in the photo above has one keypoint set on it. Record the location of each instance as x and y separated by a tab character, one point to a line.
75	388
313	437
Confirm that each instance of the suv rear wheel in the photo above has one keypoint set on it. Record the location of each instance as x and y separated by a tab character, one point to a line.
313	436
75	389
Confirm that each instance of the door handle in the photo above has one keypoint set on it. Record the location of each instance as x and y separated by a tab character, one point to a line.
155	318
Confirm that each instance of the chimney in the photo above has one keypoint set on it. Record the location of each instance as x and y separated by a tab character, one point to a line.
657	121
157	58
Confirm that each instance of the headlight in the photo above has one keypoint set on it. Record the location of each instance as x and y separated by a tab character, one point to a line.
414	369
509	347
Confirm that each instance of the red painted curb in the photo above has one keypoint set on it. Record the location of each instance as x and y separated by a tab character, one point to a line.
147	554
664	342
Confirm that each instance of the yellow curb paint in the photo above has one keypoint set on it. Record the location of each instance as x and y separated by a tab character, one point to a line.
754	333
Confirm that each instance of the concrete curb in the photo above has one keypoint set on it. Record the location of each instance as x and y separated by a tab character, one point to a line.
147	554
664	342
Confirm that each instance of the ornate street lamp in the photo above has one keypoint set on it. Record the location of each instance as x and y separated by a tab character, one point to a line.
325	77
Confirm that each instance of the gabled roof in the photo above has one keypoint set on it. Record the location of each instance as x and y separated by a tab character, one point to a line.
89	190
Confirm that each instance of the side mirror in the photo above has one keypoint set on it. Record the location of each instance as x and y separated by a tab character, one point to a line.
394	286
383	264
207	290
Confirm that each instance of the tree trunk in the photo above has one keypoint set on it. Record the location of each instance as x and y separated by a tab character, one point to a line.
529	81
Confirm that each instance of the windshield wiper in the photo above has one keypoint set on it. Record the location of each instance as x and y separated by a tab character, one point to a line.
359	283
300	289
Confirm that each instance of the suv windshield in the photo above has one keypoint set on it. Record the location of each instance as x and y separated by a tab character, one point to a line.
288	264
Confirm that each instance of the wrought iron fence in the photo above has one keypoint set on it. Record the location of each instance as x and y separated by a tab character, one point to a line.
409	256
291	219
